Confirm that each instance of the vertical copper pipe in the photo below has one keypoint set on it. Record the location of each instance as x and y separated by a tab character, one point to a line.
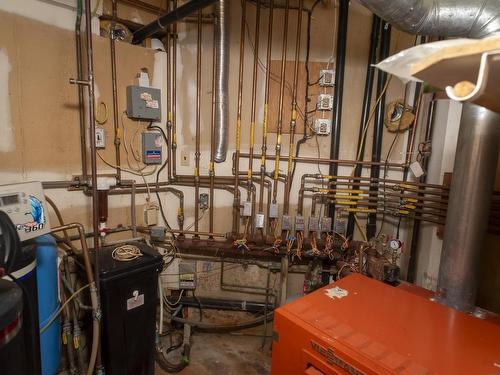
79	69
236	204
254	93
198	112
93	166
293	117
280	106
91	116
211	167
169	97
266	107
115	93
173	142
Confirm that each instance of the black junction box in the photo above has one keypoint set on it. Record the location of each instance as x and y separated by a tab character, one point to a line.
129	297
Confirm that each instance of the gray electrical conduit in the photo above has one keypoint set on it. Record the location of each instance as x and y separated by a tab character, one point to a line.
449	18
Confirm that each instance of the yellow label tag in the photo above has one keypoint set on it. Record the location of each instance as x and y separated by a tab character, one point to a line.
170	117
252	133
65	339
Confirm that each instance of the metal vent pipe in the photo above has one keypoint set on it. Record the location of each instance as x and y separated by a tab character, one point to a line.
478	141
450	18
221	79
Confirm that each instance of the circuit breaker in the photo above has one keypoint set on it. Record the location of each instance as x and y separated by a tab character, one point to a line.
151	148
144	103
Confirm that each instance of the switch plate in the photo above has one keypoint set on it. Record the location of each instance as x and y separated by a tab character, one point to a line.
100	137
185	158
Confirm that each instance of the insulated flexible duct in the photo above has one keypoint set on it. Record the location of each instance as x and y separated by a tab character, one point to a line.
221	79
450	18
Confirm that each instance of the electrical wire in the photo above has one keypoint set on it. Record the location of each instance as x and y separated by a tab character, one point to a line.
60	309
126	253
167	143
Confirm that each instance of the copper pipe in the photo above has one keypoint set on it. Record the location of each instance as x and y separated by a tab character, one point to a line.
254	93
93	282
173	141
211	167
167	44
293	117
198	233
115	93
91	117
266	107
352	178
306	159
79	72
198	112
236	202
280	106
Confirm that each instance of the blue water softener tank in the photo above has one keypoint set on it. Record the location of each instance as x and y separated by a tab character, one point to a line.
48	303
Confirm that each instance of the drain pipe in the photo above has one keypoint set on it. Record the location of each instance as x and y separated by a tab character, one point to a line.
478	142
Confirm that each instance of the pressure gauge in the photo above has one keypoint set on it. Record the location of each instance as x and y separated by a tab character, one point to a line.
395	244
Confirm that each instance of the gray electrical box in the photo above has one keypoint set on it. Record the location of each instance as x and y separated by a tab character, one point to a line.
151	148
144	103
187	274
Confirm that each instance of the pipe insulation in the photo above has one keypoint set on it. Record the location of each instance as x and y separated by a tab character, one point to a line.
221	79
450	18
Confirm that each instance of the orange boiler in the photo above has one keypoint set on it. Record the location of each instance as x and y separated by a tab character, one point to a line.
359	325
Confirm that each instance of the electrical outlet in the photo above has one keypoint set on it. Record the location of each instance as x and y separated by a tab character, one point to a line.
185	158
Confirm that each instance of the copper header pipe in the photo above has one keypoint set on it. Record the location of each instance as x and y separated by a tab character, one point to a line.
280	106
266	107
254	93
293	117
306	159
198	112
236	203
116	125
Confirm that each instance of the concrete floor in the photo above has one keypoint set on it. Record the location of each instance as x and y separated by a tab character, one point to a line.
227	354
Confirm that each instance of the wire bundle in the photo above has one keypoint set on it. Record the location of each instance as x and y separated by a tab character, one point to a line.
126	253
